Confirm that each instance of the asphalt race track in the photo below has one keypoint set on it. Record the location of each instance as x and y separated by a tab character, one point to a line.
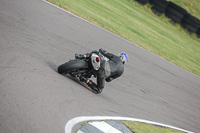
35	38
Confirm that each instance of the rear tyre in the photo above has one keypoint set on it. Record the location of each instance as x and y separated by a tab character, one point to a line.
71	66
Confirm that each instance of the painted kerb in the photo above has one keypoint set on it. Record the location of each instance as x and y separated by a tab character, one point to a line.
70	124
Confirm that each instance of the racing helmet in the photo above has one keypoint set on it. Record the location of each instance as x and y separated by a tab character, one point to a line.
124	57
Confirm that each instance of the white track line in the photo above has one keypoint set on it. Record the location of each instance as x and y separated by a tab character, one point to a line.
70	124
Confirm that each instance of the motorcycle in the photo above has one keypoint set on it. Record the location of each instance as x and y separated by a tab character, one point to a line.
83	68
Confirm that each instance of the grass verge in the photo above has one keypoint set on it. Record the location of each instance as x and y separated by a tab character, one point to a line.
137	127
139	25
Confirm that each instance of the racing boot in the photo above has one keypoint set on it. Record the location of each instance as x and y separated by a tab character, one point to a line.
93	86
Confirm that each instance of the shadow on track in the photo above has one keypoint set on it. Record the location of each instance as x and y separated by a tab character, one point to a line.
54	67
77	81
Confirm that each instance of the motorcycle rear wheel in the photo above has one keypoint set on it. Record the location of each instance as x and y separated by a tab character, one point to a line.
71	66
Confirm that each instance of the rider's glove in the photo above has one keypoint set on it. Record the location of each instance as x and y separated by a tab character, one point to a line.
95	51
79	56
103	51
82	56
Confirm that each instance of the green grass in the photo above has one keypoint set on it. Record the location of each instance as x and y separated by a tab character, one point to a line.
137	127
192	6
139	25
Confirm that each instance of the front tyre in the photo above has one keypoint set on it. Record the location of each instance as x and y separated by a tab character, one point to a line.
72	65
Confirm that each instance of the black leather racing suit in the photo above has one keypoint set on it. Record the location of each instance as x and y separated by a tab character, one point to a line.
108	71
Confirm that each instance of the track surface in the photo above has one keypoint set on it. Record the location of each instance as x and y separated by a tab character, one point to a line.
35	38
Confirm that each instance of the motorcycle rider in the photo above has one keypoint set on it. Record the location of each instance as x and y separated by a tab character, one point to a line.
109	70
